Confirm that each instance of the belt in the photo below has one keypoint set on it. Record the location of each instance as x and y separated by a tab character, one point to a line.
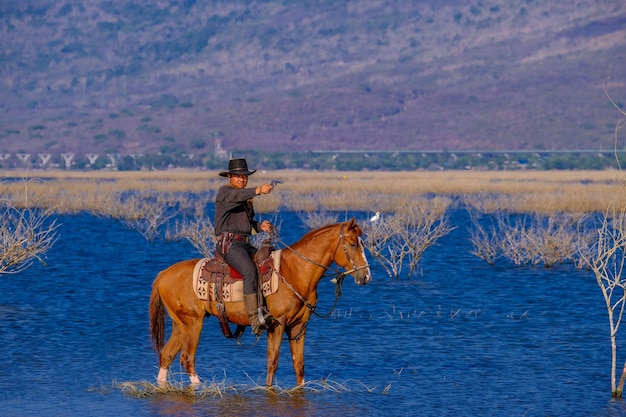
239	238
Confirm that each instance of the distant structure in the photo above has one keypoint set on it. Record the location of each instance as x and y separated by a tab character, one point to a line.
92	157
24	157
68	158
113	159
45	158
220	153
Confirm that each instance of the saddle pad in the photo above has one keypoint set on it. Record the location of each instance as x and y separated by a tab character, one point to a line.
232	290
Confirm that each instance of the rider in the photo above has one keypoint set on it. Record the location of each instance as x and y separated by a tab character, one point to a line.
234	223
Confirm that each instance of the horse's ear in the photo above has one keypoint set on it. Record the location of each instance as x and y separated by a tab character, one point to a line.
352	223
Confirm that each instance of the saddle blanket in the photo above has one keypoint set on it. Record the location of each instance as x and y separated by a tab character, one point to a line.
205	282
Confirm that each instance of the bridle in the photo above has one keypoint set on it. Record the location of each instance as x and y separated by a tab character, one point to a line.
342	241
337	280
340	275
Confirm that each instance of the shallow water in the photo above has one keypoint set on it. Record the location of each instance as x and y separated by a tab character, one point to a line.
462	339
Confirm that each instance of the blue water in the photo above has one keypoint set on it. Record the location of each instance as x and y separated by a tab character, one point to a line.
464	338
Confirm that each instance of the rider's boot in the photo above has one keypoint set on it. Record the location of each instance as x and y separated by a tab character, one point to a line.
252	310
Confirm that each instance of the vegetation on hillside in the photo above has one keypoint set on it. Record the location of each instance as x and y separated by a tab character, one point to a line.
171	78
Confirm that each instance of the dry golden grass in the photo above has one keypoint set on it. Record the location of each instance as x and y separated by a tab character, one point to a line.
520	191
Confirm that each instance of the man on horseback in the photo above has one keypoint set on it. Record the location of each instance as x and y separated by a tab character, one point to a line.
234	223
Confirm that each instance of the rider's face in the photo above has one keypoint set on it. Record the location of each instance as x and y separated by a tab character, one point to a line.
238	181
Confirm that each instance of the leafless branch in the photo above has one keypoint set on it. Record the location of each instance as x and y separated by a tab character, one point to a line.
25	235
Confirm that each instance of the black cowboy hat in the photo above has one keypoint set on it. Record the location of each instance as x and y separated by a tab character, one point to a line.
237	167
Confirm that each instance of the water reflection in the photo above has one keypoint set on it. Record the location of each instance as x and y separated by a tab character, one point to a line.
252	401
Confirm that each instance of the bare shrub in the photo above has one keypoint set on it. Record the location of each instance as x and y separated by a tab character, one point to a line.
25	235
317	219
527	239
199	232
27	231
402	238
146	214
534	240
383	243
607	259
485	240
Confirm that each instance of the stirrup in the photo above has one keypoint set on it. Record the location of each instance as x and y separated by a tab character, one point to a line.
266	319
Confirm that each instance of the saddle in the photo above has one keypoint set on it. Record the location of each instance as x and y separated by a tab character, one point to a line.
215	280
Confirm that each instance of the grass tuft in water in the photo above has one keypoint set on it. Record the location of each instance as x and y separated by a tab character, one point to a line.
214	388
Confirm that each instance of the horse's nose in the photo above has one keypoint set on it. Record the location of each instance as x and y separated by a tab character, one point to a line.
363	279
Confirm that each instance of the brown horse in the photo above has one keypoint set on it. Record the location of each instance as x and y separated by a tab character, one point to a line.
302	266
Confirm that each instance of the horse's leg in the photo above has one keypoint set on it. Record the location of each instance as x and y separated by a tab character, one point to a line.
190	344
168	353
274	338
297	351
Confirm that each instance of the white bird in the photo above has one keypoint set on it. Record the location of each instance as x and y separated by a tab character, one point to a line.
375	217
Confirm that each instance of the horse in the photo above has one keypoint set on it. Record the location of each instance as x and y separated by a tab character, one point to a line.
302	266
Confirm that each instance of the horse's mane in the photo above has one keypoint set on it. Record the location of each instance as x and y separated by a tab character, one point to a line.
316	232
319	231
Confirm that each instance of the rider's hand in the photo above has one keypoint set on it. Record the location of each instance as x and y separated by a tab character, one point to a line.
264	189
266	226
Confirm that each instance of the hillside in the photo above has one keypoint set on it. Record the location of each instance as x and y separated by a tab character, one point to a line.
135	77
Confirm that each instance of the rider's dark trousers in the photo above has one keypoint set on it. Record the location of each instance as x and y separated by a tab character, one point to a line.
239	256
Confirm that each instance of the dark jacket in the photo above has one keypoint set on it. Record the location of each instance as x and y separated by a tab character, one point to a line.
234	212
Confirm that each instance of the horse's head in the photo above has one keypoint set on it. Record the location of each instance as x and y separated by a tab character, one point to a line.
352	257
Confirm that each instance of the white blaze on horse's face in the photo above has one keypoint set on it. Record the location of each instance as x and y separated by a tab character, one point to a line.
363	276
356	261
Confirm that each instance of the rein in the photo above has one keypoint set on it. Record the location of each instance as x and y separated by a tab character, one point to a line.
337	280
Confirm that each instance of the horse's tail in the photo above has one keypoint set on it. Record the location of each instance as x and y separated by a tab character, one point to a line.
157	317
